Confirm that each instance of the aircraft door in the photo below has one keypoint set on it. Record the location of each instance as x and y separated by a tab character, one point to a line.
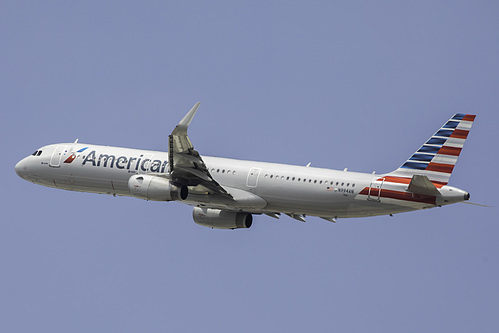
375	189
55	159
253	174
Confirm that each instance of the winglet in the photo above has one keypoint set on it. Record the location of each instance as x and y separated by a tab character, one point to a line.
185	122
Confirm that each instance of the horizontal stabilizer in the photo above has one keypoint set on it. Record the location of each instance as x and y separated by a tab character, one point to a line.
420	184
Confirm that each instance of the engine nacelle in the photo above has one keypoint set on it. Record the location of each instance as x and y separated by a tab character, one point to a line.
221	219
156	188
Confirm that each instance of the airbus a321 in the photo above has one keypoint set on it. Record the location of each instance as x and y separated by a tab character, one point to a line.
226	193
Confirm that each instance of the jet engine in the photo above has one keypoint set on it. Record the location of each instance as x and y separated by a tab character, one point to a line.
156	188
221	219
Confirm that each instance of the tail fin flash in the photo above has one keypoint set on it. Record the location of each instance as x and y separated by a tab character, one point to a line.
437	157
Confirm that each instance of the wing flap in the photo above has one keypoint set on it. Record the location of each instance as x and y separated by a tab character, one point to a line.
194	172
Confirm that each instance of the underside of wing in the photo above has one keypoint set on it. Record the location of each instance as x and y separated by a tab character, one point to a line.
186	165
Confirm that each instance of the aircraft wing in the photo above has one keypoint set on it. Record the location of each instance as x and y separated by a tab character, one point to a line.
186	165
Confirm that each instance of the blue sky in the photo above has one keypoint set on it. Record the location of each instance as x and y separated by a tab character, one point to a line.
357	84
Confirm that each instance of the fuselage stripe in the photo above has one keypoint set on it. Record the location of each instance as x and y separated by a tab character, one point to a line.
406	196
403	180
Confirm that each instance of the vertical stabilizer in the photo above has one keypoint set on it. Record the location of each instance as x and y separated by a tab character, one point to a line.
438	156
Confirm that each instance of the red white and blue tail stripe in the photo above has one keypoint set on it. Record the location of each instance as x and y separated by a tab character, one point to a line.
438	156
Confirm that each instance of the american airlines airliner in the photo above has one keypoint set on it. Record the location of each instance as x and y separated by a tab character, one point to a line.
226	193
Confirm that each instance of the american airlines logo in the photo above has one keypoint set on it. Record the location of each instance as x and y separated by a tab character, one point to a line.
124	162
72	157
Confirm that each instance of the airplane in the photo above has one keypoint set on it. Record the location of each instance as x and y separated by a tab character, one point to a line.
226	193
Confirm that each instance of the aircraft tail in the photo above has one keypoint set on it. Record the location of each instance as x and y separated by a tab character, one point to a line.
438	156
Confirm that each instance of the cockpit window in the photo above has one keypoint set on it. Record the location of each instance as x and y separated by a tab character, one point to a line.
37	153
34	154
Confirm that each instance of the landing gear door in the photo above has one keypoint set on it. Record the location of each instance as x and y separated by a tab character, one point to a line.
375	189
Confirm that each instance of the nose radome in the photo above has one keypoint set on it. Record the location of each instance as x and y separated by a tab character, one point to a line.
21	168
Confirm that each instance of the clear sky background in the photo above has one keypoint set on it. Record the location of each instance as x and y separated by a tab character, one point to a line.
357	84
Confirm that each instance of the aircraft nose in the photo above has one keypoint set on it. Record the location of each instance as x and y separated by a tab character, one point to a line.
21	168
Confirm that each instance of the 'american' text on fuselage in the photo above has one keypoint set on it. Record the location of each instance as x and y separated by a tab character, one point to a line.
124	162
